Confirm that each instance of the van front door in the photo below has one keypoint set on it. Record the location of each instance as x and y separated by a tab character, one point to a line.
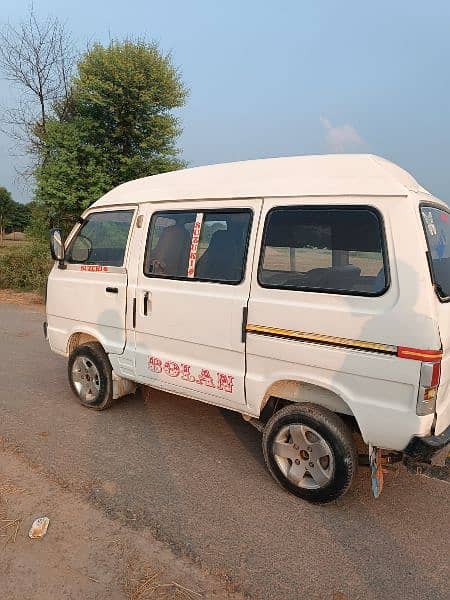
89	294
192	296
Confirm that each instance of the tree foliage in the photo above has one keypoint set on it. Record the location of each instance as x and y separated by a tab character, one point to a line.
6	210
14	216
20	218
72	176
126	92
118	126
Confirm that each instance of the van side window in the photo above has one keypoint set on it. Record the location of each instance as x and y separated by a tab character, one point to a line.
436	222
168	244
102	239
325	249
206	246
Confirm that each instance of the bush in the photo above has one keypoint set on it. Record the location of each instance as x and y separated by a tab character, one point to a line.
26	267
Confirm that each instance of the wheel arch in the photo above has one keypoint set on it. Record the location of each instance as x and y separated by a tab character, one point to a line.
78	338
296	391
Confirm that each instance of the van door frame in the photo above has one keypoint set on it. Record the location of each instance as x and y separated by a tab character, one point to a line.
223	205
113	269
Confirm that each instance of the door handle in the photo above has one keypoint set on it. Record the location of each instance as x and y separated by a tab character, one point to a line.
112	290
244	324
146	296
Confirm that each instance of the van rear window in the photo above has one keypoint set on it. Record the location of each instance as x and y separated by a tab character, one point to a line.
436	222
324	249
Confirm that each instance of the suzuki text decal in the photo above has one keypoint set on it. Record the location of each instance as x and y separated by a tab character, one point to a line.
220	381
96	268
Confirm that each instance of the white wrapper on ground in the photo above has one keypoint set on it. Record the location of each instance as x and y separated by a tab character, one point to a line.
39	527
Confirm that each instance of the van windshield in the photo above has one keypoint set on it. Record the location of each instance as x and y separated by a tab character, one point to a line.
436	223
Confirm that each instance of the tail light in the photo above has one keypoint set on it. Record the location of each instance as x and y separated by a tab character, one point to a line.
430	374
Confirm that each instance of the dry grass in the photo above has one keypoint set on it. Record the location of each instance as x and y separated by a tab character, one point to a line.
22	298
152	587
7	489
152	584
9	528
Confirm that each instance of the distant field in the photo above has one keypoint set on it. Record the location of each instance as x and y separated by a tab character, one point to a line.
11	245
305	259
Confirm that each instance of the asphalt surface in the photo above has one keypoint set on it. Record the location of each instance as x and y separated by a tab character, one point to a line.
194	474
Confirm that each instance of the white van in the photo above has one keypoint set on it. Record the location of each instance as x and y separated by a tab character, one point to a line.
311	294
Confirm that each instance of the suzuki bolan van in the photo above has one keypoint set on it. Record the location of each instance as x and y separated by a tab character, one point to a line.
310	294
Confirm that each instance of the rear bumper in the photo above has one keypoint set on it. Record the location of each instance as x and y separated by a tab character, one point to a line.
432	449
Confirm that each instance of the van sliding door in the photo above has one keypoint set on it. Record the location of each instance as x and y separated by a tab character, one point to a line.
191	298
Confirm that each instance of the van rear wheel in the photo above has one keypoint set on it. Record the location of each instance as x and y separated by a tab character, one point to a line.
309	450
90	376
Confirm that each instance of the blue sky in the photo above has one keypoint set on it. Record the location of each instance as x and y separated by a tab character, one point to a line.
272	78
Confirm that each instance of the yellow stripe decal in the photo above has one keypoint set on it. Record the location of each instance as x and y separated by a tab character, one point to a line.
322	339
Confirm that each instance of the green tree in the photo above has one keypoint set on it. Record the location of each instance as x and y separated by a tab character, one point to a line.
6	210
72	176
118	125
127	92
20	218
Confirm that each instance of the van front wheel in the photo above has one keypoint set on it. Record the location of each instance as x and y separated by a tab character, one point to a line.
90	376
309	450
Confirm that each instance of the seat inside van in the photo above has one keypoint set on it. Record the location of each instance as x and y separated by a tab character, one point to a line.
222	259
343	277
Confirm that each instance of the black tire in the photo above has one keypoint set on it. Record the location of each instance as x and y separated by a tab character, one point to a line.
102	391
333	431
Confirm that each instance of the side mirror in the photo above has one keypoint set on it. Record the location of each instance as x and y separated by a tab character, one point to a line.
57	246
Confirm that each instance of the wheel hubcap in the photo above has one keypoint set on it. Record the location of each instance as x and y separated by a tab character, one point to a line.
303	456
86	379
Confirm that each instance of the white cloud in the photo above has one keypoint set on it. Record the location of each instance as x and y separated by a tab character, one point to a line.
344	138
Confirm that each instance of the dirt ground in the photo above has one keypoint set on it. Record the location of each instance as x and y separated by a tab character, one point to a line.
29	299
84	554
168	491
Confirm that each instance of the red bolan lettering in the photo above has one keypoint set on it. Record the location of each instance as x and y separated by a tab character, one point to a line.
205	378
223	382
186	373
171	368
154	364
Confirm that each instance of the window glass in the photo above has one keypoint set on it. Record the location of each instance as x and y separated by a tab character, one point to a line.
207	245
336	250
222	247
169	244
437	230
102	239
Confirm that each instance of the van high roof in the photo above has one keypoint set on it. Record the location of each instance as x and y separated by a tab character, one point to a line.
327	175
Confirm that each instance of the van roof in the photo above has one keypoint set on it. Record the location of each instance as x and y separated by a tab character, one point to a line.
327	175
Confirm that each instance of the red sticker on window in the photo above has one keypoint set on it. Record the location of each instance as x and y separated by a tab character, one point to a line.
194	244
444	217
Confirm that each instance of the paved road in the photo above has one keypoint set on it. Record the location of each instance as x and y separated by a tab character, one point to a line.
194	474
